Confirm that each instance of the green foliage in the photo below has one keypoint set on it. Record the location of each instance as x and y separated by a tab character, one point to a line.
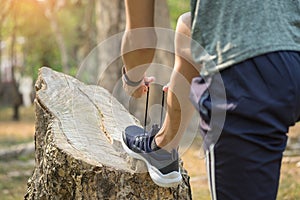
177	8
27	19
70	20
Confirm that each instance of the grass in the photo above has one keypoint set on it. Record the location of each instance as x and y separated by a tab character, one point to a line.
26	114
13	178
16	132
15	173
194	163
289	183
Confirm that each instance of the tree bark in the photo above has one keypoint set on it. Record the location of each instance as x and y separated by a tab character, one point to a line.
78	154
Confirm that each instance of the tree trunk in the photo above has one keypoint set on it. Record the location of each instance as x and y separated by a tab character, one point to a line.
16	98
110	21
49	10
87	31
78	153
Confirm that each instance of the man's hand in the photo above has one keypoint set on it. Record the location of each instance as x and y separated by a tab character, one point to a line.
166	87
140	90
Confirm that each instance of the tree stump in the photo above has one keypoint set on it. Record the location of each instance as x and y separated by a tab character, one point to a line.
78	153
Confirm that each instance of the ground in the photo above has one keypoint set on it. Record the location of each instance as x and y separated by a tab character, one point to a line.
14	173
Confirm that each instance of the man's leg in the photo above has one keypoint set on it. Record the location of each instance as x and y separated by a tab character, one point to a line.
161	156
264	98
179	107
141	15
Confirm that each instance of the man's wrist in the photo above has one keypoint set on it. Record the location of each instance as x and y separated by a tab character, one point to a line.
128	81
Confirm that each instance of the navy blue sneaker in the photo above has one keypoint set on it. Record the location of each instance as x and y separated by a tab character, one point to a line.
162	165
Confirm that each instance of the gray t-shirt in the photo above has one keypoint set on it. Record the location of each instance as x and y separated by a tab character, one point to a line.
232	31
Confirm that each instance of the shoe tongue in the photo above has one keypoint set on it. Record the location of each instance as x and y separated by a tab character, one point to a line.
154	146
153	131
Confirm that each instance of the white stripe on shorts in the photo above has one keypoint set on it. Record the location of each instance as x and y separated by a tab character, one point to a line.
210	168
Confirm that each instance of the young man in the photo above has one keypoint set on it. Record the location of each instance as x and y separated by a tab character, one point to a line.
255	47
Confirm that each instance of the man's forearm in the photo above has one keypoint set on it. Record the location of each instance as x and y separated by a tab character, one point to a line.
139	40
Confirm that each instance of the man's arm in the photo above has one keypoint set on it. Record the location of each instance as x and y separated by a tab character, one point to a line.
139	41
139	13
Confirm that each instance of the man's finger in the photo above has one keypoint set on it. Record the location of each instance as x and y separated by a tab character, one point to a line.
149	79
166	87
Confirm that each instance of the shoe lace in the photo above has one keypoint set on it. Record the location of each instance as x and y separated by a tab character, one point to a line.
146	109
142	143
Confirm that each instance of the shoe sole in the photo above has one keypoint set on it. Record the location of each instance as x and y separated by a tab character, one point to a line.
172	179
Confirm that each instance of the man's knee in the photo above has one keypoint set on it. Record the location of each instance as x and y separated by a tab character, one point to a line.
182	40
184	22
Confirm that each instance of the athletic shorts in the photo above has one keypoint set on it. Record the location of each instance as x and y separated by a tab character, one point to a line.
262	102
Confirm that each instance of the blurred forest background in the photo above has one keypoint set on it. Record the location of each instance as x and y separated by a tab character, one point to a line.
60	34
